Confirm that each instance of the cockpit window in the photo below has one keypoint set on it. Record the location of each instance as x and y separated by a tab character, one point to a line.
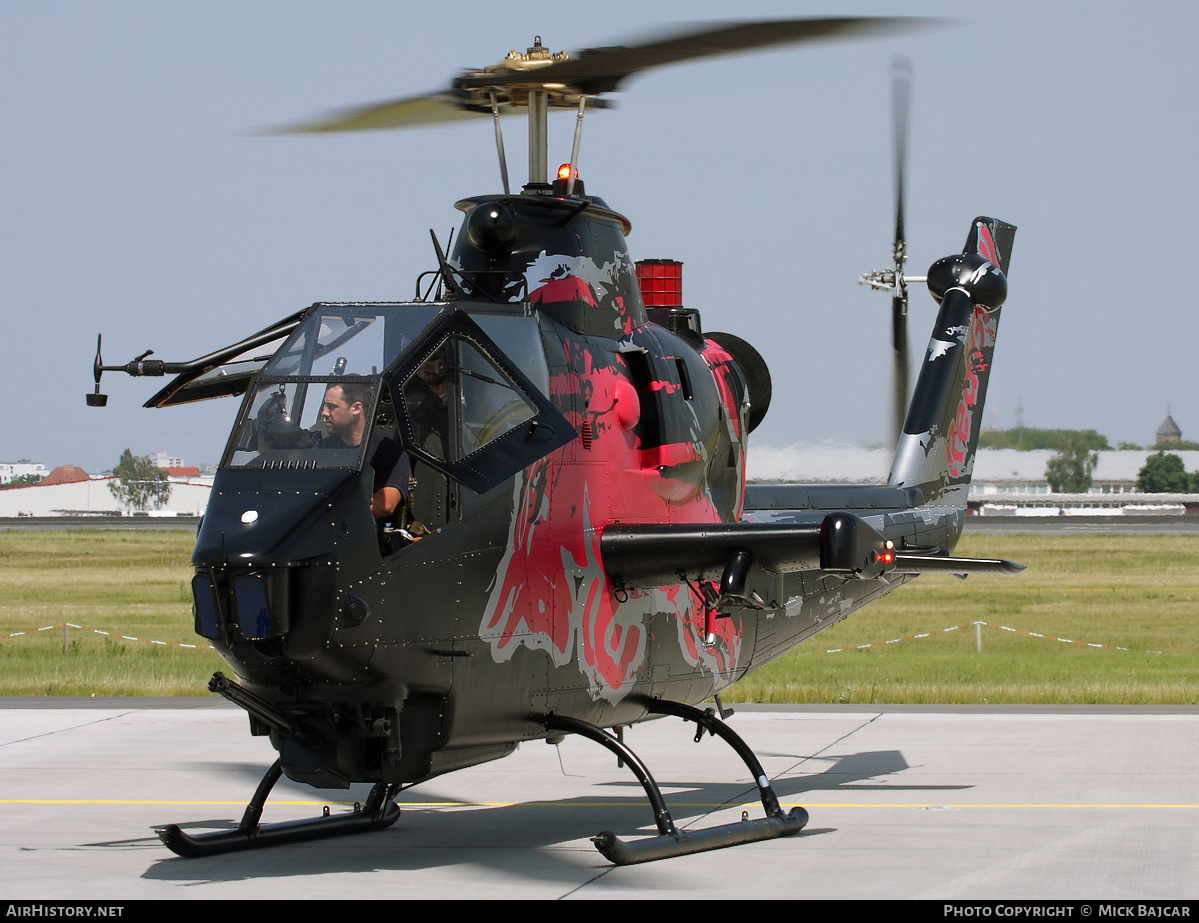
459	401
350	340
299	424
469	408
520	341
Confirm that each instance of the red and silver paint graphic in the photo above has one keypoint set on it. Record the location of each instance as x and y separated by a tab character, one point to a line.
551	592
986	244
552	278
980	336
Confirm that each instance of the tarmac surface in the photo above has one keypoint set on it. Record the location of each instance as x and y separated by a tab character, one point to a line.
932	802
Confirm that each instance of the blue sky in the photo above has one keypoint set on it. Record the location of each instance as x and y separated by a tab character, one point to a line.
135	201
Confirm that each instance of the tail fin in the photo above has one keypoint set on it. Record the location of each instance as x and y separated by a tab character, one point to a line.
940	436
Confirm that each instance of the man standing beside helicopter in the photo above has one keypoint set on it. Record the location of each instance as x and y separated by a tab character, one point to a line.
344	414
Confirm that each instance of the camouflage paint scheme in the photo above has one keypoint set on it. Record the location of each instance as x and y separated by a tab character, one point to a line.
464	640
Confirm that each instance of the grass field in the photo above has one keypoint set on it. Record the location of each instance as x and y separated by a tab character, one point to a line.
126	583
1134	592
1119	591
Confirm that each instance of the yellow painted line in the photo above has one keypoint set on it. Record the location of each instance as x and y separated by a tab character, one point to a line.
138	801
606	804
1041	804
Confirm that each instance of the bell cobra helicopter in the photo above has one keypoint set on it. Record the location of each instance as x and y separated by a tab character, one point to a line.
575	549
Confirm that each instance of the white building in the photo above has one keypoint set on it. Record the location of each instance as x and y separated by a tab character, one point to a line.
162	460
1004	480
189	497
10	470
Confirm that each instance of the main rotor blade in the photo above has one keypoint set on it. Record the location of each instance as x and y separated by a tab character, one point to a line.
397	113
592	72
601	70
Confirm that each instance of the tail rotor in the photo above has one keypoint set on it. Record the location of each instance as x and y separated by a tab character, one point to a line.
893	279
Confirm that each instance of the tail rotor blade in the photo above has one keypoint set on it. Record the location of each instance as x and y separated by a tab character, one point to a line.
901	91
901	88
899	347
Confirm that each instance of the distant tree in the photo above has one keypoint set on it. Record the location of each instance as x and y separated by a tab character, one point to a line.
1164	474
1070	470
139	482
1130	447
24	480
1027	439
1182	445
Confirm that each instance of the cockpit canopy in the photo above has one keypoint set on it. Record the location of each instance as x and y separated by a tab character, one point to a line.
464	392
350	339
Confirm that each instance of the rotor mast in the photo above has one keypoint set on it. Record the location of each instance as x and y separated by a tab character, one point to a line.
539	136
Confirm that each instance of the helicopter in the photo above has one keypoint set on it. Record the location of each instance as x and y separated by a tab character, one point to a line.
574	548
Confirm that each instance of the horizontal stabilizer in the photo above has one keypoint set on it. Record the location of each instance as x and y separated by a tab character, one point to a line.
936	564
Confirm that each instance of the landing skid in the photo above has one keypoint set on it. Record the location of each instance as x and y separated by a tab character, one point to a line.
378	813
671	841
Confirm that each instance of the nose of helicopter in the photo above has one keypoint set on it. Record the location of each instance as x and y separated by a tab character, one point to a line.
269	555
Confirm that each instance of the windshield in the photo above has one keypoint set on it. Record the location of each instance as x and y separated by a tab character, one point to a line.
304	424
350	339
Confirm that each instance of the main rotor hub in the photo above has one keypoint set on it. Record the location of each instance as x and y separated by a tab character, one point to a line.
534	57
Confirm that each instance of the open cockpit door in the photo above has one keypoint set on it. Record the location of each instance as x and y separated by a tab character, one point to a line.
226	372
466	408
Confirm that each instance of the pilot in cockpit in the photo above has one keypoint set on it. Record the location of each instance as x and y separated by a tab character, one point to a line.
344	415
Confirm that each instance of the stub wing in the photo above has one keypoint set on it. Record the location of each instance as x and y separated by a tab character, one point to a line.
841	542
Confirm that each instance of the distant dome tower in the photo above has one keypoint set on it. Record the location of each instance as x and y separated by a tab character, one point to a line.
1168	432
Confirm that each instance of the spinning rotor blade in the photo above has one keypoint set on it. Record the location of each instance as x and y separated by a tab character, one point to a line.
899	372
601	70
397	113
901	87
592	72
901	91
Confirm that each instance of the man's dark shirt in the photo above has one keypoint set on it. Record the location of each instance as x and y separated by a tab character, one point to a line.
389	462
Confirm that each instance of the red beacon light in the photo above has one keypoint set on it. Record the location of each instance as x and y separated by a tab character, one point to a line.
562	181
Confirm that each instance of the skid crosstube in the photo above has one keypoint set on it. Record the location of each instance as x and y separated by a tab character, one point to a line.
378	813
671	841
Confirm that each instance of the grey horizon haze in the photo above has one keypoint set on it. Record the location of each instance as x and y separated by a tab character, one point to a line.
136	200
